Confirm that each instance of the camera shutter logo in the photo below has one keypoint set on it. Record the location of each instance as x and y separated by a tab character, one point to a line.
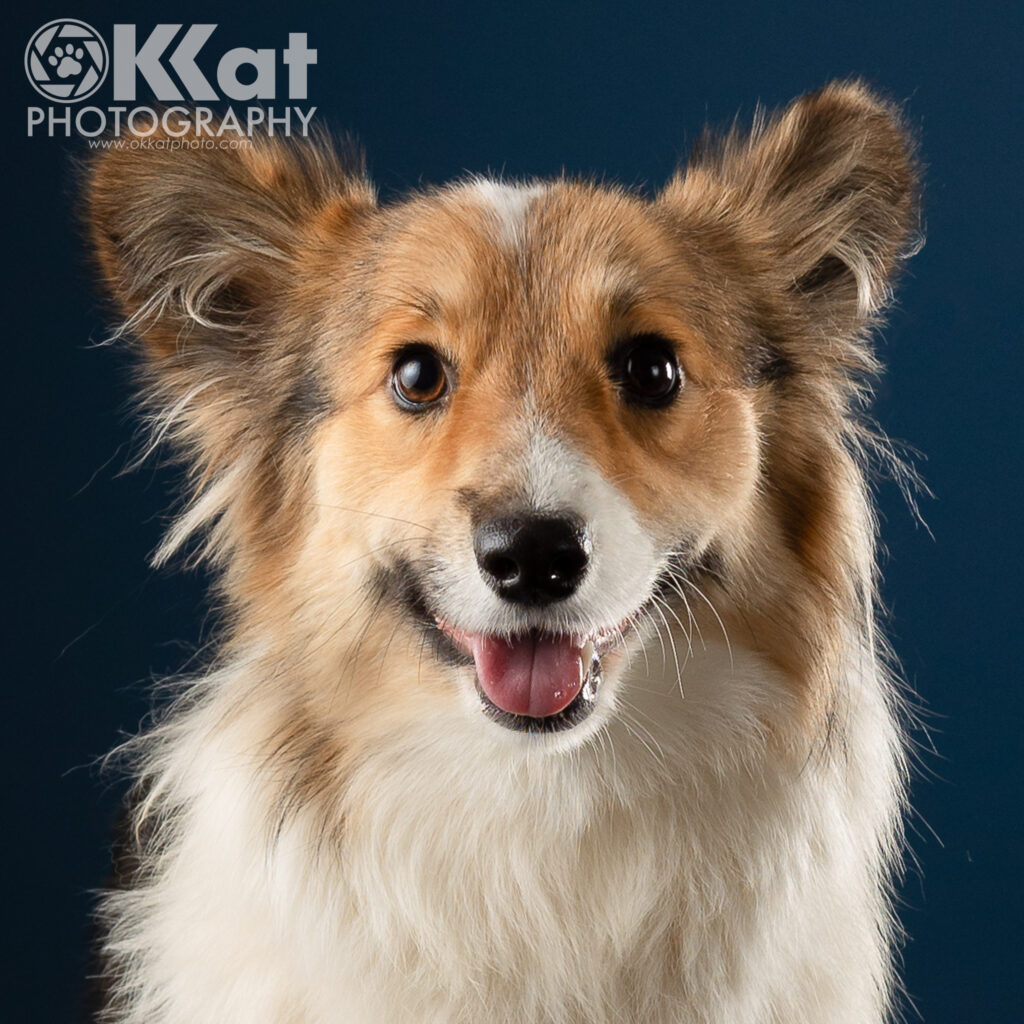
66	60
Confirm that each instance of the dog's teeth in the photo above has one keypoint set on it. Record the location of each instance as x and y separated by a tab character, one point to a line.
593	678
587	654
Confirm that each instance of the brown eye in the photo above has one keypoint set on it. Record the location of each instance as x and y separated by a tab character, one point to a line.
646	369
418	377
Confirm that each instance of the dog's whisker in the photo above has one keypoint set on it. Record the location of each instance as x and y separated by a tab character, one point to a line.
367	512
687	632
721	625
657	604
673	580
642	736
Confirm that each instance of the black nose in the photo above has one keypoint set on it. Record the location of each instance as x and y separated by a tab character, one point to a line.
532	560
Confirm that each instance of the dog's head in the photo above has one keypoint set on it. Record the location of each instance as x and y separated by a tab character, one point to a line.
476	444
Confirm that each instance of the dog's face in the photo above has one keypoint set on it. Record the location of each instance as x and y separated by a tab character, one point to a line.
489	437
541	438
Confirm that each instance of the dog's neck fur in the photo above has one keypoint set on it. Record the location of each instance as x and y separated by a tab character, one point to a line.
691	864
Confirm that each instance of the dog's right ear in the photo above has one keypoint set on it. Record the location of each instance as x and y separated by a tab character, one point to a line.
192	243
205	253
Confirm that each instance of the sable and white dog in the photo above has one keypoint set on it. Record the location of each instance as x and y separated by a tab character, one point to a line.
548	688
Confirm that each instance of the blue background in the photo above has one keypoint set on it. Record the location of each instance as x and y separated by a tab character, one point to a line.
529	88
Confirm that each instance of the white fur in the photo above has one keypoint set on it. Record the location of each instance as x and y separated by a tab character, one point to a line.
692	863
508	203
673	860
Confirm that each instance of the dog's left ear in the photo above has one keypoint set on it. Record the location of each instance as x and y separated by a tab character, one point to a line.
821	198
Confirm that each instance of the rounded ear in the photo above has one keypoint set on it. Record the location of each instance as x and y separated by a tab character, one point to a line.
826	191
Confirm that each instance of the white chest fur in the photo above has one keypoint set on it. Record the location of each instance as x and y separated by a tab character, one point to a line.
683	866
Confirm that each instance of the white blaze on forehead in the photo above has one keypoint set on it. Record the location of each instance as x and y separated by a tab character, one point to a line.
507	204
551	473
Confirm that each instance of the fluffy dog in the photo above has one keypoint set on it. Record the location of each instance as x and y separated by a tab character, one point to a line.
548	687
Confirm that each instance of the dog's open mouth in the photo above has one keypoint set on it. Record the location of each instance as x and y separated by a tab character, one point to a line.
535	681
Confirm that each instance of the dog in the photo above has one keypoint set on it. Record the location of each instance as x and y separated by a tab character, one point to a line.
548	687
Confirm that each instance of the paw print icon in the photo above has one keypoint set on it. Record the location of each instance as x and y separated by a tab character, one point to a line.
66	60
68	66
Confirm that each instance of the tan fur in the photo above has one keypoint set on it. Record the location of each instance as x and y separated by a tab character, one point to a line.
269	291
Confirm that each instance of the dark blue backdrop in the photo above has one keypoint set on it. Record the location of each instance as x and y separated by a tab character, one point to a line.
531	88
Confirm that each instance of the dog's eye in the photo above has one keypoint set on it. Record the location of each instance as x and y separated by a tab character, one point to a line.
646	368
418	377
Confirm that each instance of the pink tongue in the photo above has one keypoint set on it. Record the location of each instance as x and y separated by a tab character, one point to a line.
531	675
